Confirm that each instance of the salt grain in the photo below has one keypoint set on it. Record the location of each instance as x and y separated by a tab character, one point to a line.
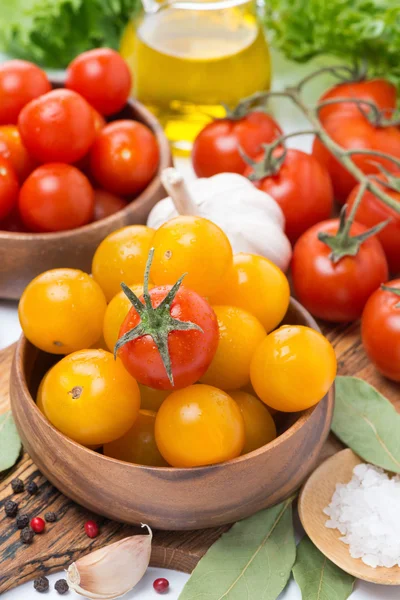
366	511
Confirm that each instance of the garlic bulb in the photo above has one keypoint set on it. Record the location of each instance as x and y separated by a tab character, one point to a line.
251	219
112	571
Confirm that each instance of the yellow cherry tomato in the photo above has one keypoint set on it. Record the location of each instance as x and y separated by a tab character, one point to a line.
90	397
138	445
293	368
250	390
191	245
259	425
239	335
257	285
62	311
115	315
121	257
150	398
199	425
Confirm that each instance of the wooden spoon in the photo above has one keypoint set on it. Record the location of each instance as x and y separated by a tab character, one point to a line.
315	496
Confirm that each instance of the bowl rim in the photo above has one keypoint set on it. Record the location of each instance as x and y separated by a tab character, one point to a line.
304	417
153	124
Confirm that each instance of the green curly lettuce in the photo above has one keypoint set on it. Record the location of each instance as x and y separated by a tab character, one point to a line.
53	32
352	30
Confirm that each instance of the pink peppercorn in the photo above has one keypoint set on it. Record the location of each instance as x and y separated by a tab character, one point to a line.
38	525
91	529
161	585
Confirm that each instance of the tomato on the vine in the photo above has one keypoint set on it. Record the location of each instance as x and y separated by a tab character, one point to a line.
56	197
303	189
217	147
102	77
336	291
373	211
20	82
12	148
9	188
57	127
380	329
356	133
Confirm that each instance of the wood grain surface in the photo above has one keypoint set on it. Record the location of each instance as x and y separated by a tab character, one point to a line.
65	540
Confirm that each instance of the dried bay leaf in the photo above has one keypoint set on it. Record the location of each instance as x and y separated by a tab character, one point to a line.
367	423
10	444
317	577
252	561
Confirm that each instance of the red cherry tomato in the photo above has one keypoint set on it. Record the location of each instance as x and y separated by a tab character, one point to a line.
191	352
13	222
124	157
382	93
57	127
99	122
372	211
56	197
380	330
9	188
217	147
20	82
303	190
336	291
351	133
102	77
12	148
106	204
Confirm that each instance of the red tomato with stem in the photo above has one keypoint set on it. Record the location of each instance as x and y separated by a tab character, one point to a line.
9	188
20	82
12	148
303	189
124	157
379	91
353	133
106	204
380	329
56	197
102	77
217	147
57	127
338	291
373	211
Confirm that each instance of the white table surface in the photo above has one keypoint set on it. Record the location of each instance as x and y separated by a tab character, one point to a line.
290	120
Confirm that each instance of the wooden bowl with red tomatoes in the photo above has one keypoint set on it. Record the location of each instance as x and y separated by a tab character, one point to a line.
79	170
168	497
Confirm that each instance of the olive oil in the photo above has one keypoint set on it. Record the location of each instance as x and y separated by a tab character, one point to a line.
189	61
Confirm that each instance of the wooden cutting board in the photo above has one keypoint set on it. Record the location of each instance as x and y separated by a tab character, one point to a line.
64	541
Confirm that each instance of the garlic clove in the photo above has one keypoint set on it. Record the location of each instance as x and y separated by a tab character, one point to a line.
112	571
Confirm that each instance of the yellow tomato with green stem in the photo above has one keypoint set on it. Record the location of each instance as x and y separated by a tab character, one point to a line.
255	284
90	397
293	368
194	246
62	311
259	426
122	256
240	333
199	425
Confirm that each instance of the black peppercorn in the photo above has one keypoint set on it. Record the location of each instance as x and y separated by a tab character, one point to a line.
11	508
22	521
32	488
17	486
27	535
41	584
50	517
61	586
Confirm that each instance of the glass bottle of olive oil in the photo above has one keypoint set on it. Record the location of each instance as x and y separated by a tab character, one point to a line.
189	59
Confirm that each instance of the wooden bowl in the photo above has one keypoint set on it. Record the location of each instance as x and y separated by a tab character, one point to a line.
26	255
168	498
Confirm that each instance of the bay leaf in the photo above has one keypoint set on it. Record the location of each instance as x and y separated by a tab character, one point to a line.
10	444
367	423
317	577
252	561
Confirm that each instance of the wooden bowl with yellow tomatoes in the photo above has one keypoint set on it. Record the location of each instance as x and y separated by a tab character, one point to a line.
209	464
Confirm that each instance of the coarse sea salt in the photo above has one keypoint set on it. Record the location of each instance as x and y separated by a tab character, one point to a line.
366	511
